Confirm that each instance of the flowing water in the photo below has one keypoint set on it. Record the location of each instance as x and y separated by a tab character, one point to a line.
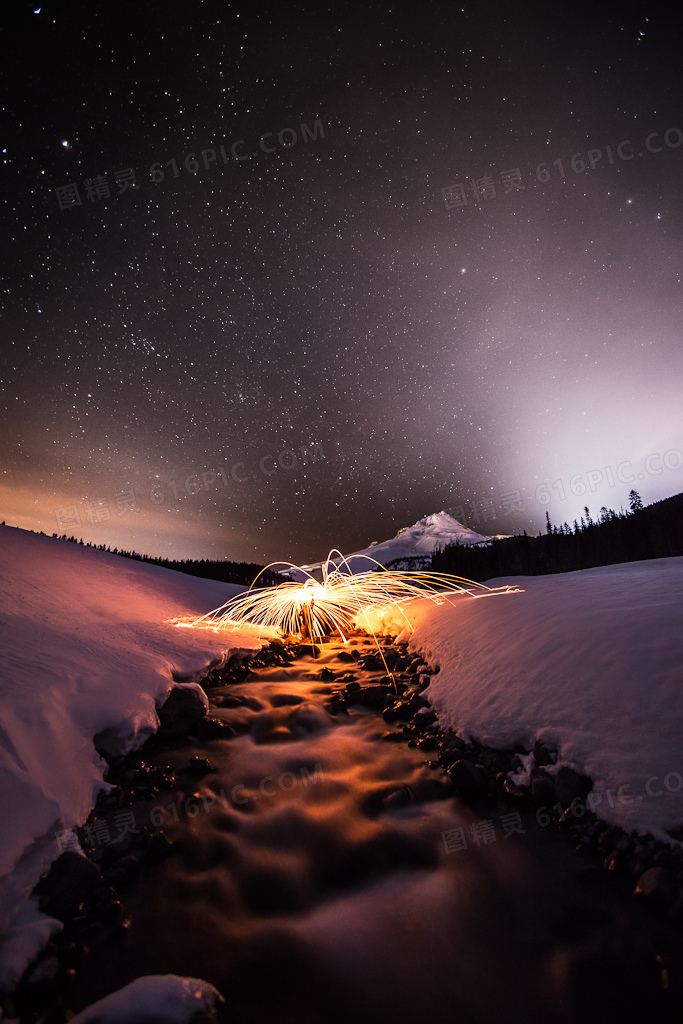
311	881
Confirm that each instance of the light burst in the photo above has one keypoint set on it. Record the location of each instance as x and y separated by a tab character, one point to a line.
317	609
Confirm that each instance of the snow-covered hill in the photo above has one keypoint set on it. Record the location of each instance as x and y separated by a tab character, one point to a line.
85	646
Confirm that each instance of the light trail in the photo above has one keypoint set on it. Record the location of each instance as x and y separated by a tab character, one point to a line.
319	609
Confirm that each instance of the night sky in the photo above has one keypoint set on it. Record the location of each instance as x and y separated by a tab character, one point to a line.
302	341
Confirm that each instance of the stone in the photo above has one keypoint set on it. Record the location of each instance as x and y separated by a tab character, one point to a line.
182	710
391	657
542	787
665	859
371	663
130	865
448	757
373	696
70	880
336	705
513	792
115	850
402	711
399	798
423	718
569	785
656	884
199	766
425	789
468	779
635	867
393	737
213	729
105	904
158	848
543	756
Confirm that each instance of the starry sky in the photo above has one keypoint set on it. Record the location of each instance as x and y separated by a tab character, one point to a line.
435	265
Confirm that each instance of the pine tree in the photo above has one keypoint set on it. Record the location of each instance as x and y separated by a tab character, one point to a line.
635	501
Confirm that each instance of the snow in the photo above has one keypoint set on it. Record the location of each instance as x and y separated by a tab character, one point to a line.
162	998
85	645
590	662
28	934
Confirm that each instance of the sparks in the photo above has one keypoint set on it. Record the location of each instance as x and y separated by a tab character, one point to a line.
316	609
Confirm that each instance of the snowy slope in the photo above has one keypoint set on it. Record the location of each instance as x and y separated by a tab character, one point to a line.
589	661
84	646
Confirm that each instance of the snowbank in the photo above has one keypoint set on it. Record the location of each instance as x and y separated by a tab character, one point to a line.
165	998
85	645
589	661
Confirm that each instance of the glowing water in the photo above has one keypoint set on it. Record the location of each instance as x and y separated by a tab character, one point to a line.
312	886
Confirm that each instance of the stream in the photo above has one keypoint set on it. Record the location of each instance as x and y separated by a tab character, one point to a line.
322	871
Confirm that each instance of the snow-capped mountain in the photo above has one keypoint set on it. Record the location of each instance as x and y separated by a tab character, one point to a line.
418	542
412	547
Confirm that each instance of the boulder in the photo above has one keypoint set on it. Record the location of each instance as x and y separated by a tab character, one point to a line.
468	779
542	788
373	696
158	848
543	756
569	785
70	880
185	706
213	729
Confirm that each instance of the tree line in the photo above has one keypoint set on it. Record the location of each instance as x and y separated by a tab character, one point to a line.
652	531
